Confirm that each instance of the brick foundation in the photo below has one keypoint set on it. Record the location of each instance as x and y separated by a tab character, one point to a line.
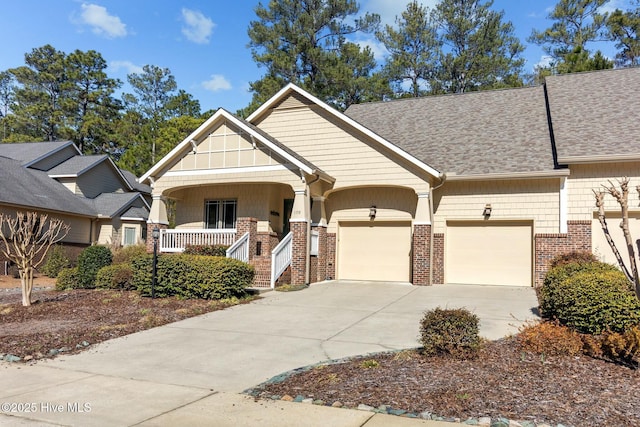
547	246
149	242
438	258
248	225
318	265
331	256
299	253
421	256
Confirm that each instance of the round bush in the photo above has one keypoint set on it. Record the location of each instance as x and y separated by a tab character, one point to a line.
450	331
116	276
590	298
56	261
90	261
68	278
126	254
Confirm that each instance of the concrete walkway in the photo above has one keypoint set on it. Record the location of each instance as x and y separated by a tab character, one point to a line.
190	372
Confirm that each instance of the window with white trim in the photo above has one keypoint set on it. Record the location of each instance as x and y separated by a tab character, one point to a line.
220	214
129	236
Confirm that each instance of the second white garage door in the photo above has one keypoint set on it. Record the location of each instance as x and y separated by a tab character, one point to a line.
489	253
374	251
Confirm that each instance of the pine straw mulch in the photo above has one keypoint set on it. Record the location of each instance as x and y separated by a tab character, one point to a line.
72	320
502	382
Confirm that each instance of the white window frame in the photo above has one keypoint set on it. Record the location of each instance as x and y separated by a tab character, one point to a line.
220	223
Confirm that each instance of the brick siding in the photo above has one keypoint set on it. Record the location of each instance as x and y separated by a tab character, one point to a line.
331	256
299	253
319	263
248	225
149	241
438	258
421	256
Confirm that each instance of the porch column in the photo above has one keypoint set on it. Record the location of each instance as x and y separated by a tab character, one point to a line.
299	225
248	225
319	224
157	218
421	245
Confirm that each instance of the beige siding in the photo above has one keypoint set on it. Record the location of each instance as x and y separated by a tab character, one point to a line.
329	145
254	200
599	244
55	159
537	200
354	205
585	178
105	233
225	147
70	184
100	179
80	231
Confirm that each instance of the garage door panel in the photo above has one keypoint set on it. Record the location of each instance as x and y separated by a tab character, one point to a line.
374	251
489	253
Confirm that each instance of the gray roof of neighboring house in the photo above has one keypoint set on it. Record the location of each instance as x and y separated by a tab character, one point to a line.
133	181
75	166
135	212
594	113
35	189
27	152
484	132
112	204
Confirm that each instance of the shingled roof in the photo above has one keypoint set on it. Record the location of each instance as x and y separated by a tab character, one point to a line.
590	114
490	132
29	152
75	166
112	204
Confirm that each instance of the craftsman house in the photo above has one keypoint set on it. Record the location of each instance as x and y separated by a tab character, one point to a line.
101	203
483	188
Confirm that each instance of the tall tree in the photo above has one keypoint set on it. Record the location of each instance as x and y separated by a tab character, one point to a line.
575	24
480	49
624	30
414	50
6	99
302	41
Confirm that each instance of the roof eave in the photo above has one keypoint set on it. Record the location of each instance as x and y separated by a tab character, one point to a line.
44	156
556	173
572	160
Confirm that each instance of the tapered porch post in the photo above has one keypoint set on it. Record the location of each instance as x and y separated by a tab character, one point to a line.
299	224
157	218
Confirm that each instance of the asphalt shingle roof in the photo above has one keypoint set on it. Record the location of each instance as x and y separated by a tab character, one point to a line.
28	152
135	212
133	181
594	113
110	204
33	188
475	133
75	165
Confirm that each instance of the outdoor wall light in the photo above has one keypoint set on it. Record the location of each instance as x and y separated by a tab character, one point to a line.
372	212
487	210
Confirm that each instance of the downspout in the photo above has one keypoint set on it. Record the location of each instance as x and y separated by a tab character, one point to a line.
443	178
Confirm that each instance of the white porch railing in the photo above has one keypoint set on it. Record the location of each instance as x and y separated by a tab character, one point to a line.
281	258
175	240
240	249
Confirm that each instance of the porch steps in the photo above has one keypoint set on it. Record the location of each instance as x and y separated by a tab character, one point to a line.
262	266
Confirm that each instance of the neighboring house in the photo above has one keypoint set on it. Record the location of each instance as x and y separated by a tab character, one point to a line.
482	188
101	203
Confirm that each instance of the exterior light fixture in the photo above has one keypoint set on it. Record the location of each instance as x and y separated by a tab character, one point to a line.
372	212
487	210
155	233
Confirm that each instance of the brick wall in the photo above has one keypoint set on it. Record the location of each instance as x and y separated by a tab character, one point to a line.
421	257
438	258
331	256
319	263
248	225
149	241
547	246
299	253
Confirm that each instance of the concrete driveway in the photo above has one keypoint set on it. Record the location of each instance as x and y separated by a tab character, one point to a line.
232	350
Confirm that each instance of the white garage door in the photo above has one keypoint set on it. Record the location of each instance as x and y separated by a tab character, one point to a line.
601	248
489	253
374	251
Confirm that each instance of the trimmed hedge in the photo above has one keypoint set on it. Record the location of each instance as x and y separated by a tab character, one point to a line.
453	332
90	261
68	278
125	254
56	261
209	250
116	276
590	297
192	276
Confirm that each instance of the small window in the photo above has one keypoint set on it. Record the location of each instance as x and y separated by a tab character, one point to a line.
129	236
220	214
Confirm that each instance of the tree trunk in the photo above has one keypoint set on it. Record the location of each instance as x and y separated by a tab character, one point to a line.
26	282
624	225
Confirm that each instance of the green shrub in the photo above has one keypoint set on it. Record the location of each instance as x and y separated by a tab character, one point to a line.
193	276
90	261
56	261
590	297
125	254
209	250
116	276
68	278
450	332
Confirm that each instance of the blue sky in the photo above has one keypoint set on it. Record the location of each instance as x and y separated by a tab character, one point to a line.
202	42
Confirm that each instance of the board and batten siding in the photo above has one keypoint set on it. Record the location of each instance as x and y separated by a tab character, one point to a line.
352	160
586	178
99	179
532	199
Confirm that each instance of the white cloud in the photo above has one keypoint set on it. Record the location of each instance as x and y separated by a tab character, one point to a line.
389	9
216	83
377	48
613	5
101	22
545	61
198	27
128	66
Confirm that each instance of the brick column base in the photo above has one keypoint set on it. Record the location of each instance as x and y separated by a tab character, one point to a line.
548	246
421	256
149	242
299	253
248	225
319	273
331	256
438	258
